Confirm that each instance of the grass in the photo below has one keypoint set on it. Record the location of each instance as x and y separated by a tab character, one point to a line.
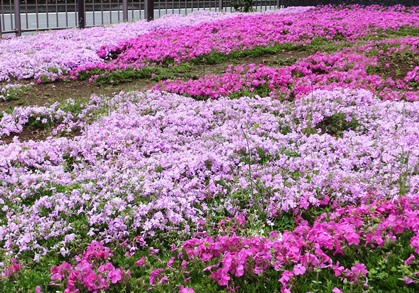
13	93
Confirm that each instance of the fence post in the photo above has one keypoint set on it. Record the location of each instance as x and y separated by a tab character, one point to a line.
81	13
125	10
149	10
18	26
220	5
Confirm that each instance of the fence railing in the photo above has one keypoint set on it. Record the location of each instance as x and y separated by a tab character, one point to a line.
17	16
20	16
350	2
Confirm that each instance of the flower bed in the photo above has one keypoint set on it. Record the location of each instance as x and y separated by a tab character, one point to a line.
173	165
52	54
294	178
344	69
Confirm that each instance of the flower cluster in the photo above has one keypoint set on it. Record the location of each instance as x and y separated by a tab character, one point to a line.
11	270
51	54
246	32
346	69
92	271
159	163
57	114
413	76
310	247
21	116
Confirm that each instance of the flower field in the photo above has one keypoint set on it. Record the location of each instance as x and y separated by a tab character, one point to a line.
270	152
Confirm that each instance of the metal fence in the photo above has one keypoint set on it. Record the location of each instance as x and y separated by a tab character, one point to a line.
350	2
17	16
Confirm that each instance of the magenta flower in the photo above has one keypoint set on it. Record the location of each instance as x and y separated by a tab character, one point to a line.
140	262
115	275
170	262
414	242
299	270
285	278
154	274
407	280
60	271
338	269
359	270
409	260
186	290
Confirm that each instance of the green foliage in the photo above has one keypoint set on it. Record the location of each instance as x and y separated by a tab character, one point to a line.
39	122
12	94
322	44
242	5
373	69
257	51
334	125
45	79
286	62
53	70
284	222
86	74
33	273
262	91
154	73
9	110
401	32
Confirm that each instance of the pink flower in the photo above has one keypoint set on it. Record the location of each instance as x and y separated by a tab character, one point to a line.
153	251
223	281
274	235
206	256
359	269
116	275
59	271
409	260
186	290
414	242
170	262
299	270
71	286
164	279
106	267
227	261
140	262
184	264
239	270
90	278
240	219
154	274
336	290
285	278
221	276
338	269
257	270
351	237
